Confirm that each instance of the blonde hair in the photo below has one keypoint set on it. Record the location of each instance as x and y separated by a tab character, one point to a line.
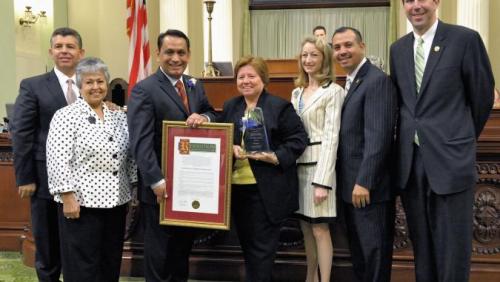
325	74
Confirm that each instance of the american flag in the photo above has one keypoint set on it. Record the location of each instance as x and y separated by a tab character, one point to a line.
139	61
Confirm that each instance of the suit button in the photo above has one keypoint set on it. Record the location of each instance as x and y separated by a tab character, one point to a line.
115	156
110	139
115	173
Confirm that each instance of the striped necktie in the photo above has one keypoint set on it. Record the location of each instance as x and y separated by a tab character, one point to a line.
419	73
182	93
419	63
348	83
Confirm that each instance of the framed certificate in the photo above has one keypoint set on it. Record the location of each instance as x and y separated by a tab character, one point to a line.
197	164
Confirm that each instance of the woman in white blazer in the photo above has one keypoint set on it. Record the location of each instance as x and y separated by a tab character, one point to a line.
318	101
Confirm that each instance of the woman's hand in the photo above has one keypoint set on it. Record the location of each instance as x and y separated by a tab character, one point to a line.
268	157
239	153
71	207
320	194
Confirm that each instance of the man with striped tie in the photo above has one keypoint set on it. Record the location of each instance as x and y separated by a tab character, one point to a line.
445	85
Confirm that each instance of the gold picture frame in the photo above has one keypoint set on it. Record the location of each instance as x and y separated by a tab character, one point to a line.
197	164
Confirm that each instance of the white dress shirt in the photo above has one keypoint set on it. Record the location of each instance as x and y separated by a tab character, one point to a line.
89	156
63	81
351	76
428	37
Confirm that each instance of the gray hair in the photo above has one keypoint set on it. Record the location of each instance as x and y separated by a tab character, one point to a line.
90	65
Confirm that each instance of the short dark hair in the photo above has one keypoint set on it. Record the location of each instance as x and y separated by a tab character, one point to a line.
66	31
343	29
319	27
173	33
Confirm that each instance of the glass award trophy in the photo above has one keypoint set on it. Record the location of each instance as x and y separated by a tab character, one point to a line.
254	132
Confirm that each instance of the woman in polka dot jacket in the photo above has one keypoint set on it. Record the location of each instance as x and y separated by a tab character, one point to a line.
90	174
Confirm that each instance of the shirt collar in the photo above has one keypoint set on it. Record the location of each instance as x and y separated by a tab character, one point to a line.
353	74
428	36
171	79
63	78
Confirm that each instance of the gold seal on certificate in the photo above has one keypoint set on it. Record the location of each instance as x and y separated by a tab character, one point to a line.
195	205
254	131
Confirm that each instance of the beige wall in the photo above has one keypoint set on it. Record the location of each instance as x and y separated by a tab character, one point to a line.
103	30
448	11
102	25
8	86
195	32
494	39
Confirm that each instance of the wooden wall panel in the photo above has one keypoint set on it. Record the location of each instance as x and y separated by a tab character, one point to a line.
14	211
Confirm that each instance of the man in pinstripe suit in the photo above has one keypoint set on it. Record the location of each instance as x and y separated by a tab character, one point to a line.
364	153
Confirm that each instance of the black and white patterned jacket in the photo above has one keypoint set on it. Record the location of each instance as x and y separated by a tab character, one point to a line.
90	156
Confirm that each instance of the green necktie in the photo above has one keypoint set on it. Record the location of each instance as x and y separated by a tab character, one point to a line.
419	63
419	73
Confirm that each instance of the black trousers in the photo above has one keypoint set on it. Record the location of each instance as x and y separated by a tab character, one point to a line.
91	246
166	248
46	235
370	232
258	237
440	228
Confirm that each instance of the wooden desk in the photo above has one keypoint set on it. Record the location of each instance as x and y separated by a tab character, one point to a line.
14	211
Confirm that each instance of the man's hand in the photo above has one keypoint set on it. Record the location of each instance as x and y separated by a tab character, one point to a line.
71	207
160	192
114	107
320	194
360	196
26	191
194	120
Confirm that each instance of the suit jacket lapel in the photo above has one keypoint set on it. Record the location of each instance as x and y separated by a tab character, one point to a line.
169	89
315	97
357	81
437	49
409	59
55	89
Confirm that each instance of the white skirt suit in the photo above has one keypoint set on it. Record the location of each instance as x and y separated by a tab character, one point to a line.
316	166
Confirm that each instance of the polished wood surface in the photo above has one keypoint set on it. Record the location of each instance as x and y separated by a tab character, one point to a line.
14	211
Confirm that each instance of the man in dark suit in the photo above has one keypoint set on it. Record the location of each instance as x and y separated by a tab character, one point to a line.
165	95
39	98
365	146
445	85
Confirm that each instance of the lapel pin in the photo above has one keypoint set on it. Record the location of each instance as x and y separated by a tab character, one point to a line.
437	48
357	81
